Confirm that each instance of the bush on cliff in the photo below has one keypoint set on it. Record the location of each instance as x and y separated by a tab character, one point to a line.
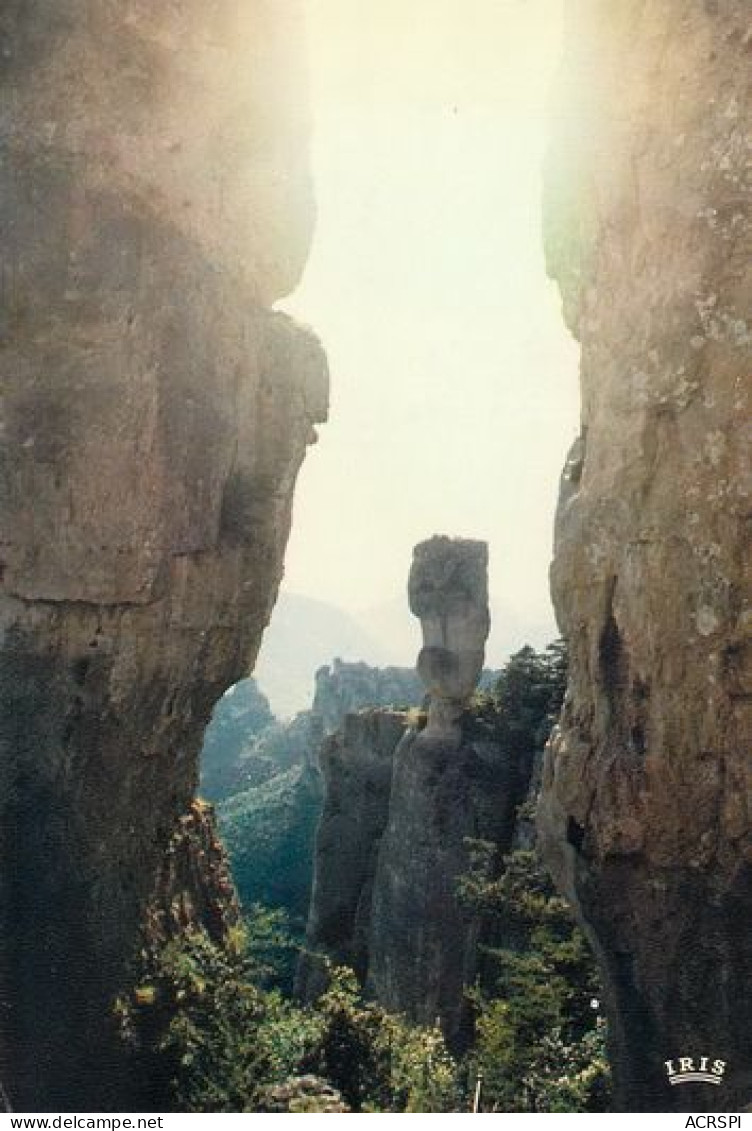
376	1060
539	1039
201	1023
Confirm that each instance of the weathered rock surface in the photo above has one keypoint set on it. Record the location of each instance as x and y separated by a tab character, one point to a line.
356	764
154	413
194	887
448	591
422	941
645	816
343	687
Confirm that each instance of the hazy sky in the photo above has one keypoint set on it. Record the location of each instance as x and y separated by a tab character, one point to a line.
453	378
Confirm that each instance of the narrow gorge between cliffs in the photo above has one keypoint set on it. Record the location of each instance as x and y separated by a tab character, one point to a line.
309	800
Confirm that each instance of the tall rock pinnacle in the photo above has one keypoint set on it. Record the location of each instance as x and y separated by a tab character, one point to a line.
402	804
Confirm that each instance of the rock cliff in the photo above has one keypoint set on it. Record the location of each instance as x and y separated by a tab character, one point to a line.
239	720
423	942
266	780
445	788
645	816
155	201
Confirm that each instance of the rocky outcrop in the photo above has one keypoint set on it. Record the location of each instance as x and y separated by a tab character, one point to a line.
343	687
155	203
194	888
449	783
266	780
300	1095
448	591
356	765
645	817
403	797
269	826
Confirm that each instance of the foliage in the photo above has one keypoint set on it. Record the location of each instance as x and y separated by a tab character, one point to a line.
301	1095
214	1033
221	1041
269	831
540	1044
378	1061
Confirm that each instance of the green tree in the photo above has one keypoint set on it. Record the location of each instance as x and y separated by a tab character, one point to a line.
377	1060
528	696
201	1019
539	1041
201	1024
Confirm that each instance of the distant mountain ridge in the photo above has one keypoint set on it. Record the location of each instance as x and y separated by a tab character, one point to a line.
305	634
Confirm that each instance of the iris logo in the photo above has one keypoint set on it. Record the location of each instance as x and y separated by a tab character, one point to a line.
686	1070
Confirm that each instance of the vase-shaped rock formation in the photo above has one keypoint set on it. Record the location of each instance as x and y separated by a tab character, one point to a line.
646	816
448	591
154	202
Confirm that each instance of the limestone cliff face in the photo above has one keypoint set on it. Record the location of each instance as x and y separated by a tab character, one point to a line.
647	797
155	201
356	765
267	783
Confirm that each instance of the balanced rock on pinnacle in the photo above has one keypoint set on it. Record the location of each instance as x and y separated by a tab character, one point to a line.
403	804
448	592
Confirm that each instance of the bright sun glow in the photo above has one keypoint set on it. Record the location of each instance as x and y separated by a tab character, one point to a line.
453	378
